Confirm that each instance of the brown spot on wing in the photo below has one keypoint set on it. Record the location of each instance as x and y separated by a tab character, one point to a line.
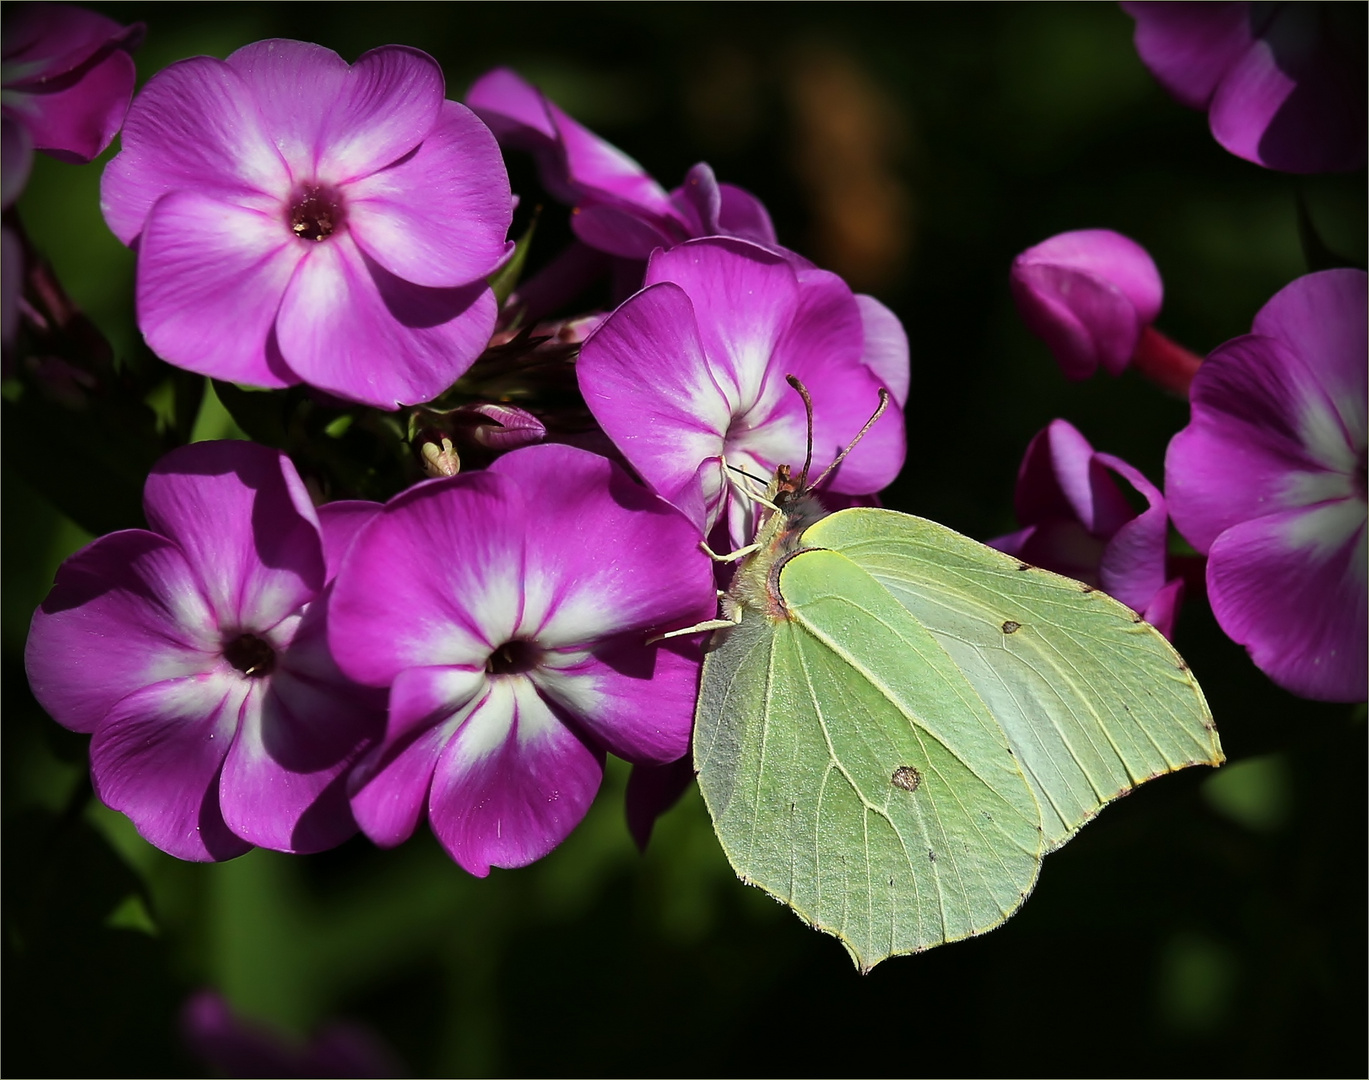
907	777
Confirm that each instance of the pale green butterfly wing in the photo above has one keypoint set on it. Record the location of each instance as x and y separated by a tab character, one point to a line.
1093	700
853	772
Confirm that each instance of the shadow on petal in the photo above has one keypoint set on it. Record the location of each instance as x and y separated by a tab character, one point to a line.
419	307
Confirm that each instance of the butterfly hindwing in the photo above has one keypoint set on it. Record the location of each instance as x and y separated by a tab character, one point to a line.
855	774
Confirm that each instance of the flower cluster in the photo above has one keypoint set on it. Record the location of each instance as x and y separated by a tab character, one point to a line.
259	670
1267	481
275	663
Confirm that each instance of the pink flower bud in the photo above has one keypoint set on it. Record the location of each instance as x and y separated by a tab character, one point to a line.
1087	295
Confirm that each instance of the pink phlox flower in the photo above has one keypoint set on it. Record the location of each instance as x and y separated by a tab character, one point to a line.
1268	479
1079	522
687	378
1283	83
66	78
508	612
299	219
195	654
618	207
1088	295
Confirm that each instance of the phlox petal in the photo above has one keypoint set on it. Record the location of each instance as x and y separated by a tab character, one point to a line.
574	163
1079	523
603	554
434	580
1290	100
597	167
1245	438
157	757
886	347
389	787
210	280
1058	478
621	230
348	326
336	121
295	85
195	127
647	380
44	41
634	699
1323	316
513	782
1062	545
1290	587
339	522
284	784
1189	47
743	299
124	612
438	217
651	791
1133	567
75	123
745	216
823	346
1086	322
242	517
699	200
1163	609
515	110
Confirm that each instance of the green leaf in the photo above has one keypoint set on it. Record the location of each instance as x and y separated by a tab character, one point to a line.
260	414
904	722
504	280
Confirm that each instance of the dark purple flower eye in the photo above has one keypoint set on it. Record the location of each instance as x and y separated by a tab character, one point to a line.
251	655
316	211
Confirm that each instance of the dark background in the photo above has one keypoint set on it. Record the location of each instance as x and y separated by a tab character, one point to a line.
1212	924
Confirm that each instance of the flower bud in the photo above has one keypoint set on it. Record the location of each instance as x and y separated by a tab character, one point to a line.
1088	295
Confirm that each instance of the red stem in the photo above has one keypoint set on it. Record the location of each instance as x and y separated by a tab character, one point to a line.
1165	363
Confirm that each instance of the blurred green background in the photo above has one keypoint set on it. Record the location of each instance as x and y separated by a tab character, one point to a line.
1212	924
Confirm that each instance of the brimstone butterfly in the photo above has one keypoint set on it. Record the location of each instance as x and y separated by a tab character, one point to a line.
902	721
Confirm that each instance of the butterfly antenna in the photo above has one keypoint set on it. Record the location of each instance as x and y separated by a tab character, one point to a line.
883	404
793	380
757	482
743	472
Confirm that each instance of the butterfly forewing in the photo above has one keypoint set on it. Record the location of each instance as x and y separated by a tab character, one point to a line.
1093	700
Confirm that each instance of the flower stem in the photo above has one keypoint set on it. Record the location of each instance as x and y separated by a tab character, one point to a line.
1165	363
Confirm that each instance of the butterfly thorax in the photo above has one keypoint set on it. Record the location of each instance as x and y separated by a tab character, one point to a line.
778	538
